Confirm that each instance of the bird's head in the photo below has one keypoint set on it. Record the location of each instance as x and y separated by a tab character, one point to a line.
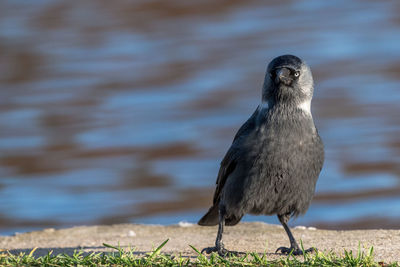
289	80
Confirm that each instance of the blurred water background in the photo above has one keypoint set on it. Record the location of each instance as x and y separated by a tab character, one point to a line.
120	111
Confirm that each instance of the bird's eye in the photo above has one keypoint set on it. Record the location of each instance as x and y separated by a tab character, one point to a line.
296	74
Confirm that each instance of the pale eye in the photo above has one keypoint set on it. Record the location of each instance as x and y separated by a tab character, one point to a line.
296	74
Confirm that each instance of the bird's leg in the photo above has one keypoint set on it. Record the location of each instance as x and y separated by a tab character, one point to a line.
294	247
219	246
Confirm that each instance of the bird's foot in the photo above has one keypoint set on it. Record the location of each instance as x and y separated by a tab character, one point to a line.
294	250
221	251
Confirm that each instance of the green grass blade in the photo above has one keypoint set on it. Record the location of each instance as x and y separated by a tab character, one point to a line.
157	250
110	246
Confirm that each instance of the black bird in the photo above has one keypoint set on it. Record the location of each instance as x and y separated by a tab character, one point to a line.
275	158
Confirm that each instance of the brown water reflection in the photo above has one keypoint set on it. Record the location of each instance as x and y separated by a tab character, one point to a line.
121	111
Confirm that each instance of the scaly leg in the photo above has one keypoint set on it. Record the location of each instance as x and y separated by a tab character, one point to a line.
219	245
294	247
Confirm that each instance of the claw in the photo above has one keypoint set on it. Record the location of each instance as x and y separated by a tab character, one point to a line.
209	250
221	251
294	251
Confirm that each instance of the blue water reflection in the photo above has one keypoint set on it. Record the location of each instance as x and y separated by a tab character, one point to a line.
121	112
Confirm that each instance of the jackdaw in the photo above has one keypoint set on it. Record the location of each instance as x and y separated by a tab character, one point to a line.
275	158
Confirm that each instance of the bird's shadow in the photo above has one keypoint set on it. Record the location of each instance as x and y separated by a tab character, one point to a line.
85	251
70	251
234	253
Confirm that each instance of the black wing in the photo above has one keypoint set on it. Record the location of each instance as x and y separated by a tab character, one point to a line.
231	158
228	165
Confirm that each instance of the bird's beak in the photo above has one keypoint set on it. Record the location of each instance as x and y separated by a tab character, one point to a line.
283	76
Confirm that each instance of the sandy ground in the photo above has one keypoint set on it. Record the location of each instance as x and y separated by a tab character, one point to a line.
245	237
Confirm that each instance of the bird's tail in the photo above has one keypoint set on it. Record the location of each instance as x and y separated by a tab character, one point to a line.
210	218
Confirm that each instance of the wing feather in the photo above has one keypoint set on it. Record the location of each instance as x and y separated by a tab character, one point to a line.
232	157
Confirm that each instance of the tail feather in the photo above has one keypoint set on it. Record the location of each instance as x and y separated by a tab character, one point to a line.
210	218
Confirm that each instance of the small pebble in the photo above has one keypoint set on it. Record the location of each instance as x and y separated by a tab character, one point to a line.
131	233
185	224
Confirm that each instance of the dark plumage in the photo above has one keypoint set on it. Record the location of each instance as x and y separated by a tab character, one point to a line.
275	159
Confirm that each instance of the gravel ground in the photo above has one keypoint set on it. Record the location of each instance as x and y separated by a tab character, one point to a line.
245	237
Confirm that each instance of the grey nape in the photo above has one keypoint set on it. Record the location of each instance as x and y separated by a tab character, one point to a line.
275	158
